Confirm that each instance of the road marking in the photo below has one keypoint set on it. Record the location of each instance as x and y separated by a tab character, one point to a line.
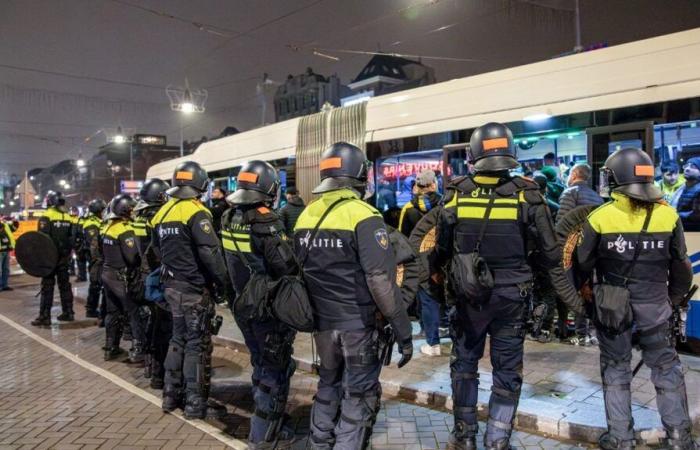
199	424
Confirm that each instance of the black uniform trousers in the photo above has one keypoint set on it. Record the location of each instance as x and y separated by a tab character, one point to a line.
95	287
347	400
83	256
115	306
659	354
120	308
160	332
61	276
188	363
270	345
502	318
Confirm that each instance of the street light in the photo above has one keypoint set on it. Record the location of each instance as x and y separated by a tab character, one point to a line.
66	186
62	182
187	101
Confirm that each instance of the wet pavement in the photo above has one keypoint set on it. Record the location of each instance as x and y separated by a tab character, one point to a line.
57	392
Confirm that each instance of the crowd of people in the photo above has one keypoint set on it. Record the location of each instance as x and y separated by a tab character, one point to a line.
477	261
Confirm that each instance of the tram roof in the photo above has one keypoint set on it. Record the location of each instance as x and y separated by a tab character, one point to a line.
647	71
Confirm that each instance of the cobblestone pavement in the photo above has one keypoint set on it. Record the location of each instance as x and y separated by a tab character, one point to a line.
49	401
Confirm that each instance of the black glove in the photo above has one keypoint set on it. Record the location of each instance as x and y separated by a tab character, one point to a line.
406	350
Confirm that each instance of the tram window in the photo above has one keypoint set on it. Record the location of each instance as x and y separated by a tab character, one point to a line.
676	147
396	176
567	148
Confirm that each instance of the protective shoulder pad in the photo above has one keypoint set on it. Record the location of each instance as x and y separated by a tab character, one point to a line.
464	184
267	228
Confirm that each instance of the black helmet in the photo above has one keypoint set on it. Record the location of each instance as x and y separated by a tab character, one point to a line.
189	181
121	206
630	171
54	198
152	193
96	206
257	182
492	148
342	165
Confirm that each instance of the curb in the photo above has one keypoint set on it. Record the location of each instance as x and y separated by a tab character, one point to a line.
525	421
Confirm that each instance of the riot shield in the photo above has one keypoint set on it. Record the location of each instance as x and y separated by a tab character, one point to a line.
36	253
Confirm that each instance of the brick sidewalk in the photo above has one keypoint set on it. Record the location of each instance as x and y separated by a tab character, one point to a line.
53	395
561	395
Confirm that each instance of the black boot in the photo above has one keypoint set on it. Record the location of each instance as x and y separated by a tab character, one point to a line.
195	406
609	442
42	321
172	398
92	314
66	317
500	444
112	353
677	439
463	437
136	355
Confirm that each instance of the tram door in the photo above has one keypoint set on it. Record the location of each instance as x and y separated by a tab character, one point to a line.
603	141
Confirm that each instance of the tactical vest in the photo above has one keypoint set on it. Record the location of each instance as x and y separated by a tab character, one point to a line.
6	238
239	250
178	252
112	244
505	243
334	277
619	227
60	229
142	229
90	227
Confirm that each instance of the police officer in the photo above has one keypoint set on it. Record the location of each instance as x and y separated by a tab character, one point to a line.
350	274
82	251
518	220
255	242
159	331
57	223
91	225
121	256
637	242
194	273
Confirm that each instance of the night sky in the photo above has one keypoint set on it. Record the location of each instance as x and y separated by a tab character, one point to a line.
71	71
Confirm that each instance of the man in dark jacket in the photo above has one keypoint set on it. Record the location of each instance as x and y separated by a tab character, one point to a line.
687	199
291	211
425	198
577	194
217	208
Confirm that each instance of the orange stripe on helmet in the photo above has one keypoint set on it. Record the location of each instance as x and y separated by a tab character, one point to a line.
495	144
331	163
248	177
181	175
644	171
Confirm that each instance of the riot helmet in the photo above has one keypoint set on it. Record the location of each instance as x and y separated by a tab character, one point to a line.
152	193
257	182
121	207
491	148
630	171
96	206
54	199
190	180
342	165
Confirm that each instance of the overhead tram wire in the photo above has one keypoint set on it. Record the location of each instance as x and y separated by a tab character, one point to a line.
226	42
201	26
80	77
